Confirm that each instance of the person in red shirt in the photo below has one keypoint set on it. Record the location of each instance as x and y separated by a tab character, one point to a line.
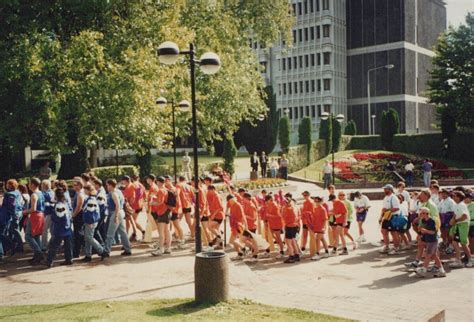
239	229
161	215
317	225
306	213
175	211
186	196
204	212
129	195
251	213
138	203
340	221
216	211
292	224
275	223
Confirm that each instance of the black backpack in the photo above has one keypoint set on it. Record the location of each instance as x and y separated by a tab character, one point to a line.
171	199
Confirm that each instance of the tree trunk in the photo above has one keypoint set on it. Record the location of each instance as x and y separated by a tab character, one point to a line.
73	164
93	157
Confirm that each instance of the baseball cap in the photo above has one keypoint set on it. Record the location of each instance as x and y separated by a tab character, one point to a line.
305	193
388	186
161	179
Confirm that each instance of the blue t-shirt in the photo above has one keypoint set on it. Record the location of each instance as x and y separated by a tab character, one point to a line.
427	166
11	207
111	203
61	219
429	224
48	202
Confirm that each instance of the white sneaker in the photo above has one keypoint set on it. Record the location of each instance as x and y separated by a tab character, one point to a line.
384	250
355	246
413	264
157	252
440	273
363	240
449	250
316	258
280	256
394	252
325	255
252	260
265	255
456	264
421	271
469	264
404	247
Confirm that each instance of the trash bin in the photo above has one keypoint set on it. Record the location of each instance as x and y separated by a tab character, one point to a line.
211	277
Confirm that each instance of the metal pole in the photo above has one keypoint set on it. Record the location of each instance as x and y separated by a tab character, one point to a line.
373	125
369	114
174	141
197	219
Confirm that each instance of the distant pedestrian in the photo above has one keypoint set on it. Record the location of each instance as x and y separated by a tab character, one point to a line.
186	165
361	205
327	174
284	163
254	162
263	164
273	168
45	171
409	167
427	167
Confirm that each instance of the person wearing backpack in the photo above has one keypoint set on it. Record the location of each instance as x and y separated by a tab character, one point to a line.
161	214
35	221
91	216
391	207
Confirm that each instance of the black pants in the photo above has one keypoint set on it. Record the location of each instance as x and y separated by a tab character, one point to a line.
54	245
78	236
264	170
284	173
255	167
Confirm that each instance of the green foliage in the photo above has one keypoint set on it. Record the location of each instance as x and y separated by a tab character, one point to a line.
326	133
105	173
452	76
284	134
304	135
228	155
351	128
144	162
448	123
336	135
390	126
365	142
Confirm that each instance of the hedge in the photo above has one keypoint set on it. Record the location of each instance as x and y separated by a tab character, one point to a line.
105	173
298	155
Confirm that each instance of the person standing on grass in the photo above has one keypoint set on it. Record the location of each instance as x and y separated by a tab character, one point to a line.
429	237
409	174
460	231
263	164
327	174
292	224
362	205
116	220
62	230
391	207
35	221
161	215
317	225
427	166
284	164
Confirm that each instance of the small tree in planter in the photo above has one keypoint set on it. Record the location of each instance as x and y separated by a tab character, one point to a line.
229	153
351	128
304	135
336	135
390	126
325	133
284	134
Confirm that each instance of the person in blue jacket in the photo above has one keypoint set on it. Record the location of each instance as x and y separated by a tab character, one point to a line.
61	230
90	216
10	216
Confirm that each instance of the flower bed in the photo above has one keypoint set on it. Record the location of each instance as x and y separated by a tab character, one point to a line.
258	184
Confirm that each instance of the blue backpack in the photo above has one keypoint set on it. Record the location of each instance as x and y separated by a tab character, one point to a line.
398	221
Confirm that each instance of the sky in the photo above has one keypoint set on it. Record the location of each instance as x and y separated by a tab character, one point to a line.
457	10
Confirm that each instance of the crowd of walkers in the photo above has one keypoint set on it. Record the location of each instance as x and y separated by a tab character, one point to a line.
94	216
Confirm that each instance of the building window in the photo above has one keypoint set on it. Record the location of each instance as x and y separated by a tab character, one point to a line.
319	59
284	89
301	111
295	87
305	7
279	89
327	58
289	62
317	5
327	108
307	111
327	84
307	86
311	32
312	59
313	85
301	86
325	4
290	114
290	89
326	31
264	66
296	113
283	63
300	58
295	62
306	34
306	60
318	32
300	9
294	36
294	8
300	35
311	6
319	85
313	111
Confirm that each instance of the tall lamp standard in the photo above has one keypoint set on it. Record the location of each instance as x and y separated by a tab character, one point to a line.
339	118
369	113
183	105
373	123
168	54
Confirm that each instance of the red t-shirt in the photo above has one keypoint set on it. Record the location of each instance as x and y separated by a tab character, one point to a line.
216	209
237	217
158	198
339	211
319	218
307	211
290	216
274	216
250	214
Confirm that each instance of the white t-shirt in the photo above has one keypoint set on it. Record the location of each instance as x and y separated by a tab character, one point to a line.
409	167
460	209
406	196
362	202
435	199
327	169
390	202
446	205
404	208
414	205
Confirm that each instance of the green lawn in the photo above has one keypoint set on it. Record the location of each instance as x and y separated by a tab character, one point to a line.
144	310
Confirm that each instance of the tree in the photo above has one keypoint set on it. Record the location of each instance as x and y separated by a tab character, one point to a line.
284	134
452	76
351	128
325	133
448	123
304	135
336	135
390	126
228	155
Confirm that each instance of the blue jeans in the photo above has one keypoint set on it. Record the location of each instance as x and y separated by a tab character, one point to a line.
33	241
409	179
3	238
89	230
117	228
273	173
54	244
327	180
427	178
15	234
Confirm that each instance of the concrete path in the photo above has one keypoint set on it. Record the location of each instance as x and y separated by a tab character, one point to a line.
363	285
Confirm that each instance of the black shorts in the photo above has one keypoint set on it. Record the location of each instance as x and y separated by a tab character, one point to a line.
387	225
186	210
348	225
219	221
204	218
305	226
471	231
290	232
164	219
174	217
335	224
247	234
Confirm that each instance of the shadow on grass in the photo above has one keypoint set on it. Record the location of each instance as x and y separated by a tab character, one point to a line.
180	309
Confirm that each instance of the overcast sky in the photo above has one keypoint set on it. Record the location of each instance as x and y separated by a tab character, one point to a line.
457	10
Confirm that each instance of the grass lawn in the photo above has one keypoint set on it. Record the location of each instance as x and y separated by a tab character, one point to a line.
175	309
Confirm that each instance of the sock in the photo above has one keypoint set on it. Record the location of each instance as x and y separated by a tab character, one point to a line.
326	251
345	248
281	252
255	256
317	253
303	249
267	250
241	254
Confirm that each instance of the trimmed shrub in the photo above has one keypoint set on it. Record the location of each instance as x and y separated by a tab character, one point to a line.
229	154
325	133
105	173
144	163
364	142
284	134
297	156
390	127
304	135
318	150
351	128
336	135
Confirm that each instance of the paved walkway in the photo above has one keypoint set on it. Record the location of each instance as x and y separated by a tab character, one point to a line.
364	285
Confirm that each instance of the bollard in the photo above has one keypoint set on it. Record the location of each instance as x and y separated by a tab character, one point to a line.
211	277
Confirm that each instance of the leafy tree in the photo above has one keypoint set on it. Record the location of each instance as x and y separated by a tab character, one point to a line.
304	134
230	151
336	135
351	128
325	133
390	126
284	134
452	76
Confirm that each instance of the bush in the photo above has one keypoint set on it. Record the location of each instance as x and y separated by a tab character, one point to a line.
229	154
336	135
318	150
364	142
390	127
298	157
284	134
304	135
325	133
144	163
351	128
111	172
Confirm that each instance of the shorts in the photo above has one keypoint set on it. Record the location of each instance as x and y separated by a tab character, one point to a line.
164	219
186	210
471	231
247	234
460	232
445	219
204	218
174	217
219	221
361	216
290	232
431	248
348	225
387	225
305	226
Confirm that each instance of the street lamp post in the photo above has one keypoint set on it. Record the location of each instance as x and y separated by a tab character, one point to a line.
168	54
183	105
340	117
373	123
369	113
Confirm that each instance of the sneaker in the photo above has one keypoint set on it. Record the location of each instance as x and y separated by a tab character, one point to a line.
265	255
289	260
325	255
414	264
46	263
125	253
237	258
344	252
433	269
180	245
355	246
362	239
456	264
421	271
66	263
441	273
394	252
280	256
104	255
449	250
252	260
384	250
359	240
167	252
334	252
316	257
157	252
404	247
469	264
297	258
133	238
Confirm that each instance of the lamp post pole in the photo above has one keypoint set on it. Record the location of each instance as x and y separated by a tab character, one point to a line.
369	112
